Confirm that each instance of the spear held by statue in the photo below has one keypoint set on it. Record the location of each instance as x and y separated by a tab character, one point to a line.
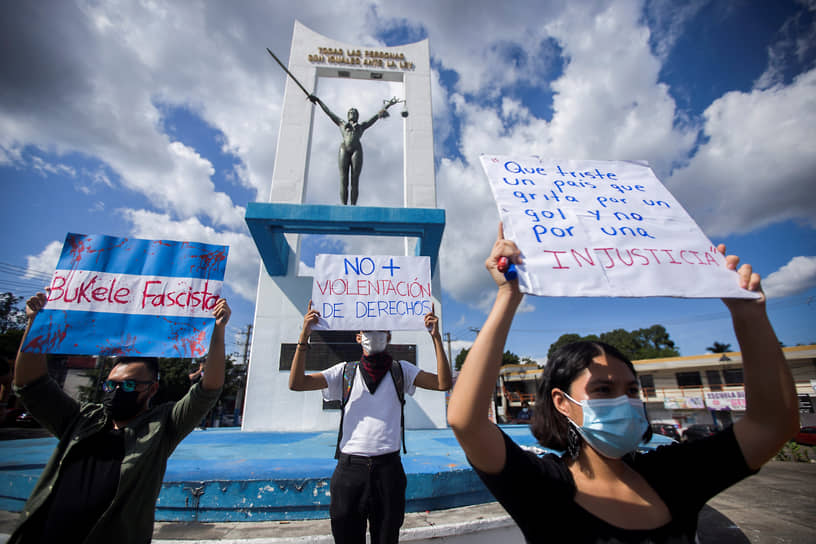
386	103
288	73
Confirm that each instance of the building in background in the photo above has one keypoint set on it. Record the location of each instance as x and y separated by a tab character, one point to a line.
516	385
710	388
682	391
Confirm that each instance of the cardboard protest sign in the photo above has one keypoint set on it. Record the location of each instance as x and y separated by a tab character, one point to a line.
603	228
376	292
129	297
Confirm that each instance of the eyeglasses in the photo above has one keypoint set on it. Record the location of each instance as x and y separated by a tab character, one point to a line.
126	385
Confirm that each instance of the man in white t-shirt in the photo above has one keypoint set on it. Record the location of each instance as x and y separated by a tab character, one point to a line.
369	482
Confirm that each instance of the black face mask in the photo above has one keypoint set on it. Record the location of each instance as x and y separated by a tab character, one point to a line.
121	405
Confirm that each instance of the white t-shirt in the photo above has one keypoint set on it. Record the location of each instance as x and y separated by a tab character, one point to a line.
371	425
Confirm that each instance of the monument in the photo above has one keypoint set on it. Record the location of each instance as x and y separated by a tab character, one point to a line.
277	226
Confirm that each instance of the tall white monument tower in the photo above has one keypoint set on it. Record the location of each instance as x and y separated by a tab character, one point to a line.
276	226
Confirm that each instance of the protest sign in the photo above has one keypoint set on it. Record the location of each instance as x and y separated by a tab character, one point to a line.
376	292
603	228
130	297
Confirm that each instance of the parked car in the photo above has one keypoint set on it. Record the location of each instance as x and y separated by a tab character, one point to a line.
807	436
655	442
25	420
666	429
699	430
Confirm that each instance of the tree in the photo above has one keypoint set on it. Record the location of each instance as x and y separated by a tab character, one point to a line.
654	343
12	325
510	358
173	378
11	316
622	339
569	338
460	359
651	343
719	347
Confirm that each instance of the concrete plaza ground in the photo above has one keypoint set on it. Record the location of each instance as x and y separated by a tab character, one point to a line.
778	505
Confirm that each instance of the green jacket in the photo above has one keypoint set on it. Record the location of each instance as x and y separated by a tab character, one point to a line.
149	440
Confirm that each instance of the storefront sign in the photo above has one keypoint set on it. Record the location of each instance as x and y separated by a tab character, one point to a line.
684	403
725	400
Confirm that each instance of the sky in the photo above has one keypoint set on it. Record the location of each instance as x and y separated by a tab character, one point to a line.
160	120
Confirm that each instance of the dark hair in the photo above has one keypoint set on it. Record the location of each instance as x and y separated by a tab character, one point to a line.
548	425
152	363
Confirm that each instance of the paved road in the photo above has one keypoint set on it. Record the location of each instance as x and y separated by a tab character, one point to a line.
776	506
17	433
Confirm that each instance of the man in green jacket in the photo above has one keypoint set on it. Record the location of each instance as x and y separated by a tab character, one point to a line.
102	481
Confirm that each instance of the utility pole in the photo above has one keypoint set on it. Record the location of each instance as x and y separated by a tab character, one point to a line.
247	343
239	397
447	337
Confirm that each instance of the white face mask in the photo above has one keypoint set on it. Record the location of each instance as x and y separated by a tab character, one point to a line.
374	341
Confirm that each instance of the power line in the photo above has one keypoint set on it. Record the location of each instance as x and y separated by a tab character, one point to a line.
773	304
15	269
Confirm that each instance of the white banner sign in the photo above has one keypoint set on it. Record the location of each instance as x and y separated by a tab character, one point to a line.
371	292
603	228
93	291
725	400
683	403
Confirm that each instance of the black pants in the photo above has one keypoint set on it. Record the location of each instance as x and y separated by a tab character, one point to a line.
367	488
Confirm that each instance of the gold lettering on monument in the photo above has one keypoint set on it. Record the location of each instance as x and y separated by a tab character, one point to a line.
371	58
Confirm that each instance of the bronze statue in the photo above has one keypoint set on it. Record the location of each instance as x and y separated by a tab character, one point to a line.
350	155
350	158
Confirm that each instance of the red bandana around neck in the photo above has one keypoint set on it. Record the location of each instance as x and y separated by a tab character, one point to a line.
374	367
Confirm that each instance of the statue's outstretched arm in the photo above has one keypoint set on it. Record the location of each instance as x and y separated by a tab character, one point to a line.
333	116
382	114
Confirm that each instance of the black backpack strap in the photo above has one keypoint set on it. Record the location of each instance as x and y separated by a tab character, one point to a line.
399	385
349	371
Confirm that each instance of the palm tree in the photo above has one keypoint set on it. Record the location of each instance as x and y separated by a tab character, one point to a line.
719	347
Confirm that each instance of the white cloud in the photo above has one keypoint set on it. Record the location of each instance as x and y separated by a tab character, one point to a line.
797	276
45	262
103	70
243	260
756	167
598	113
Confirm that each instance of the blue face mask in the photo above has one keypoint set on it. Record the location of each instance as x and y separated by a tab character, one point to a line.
612	427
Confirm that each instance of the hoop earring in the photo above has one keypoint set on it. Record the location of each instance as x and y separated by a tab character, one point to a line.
574	442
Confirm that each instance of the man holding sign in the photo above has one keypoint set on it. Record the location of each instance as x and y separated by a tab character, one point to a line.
102	481
369	481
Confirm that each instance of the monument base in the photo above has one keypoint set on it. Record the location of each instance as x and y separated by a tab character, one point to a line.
225	475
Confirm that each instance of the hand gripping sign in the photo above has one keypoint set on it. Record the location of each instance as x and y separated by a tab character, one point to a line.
371	292
127	296
603	229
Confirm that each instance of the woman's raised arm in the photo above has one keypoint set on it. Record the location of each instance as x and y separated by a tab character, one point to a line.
470	402
771	406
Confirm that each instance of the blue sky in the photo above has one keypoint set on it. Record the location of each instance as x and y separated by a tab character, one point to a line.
160	120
